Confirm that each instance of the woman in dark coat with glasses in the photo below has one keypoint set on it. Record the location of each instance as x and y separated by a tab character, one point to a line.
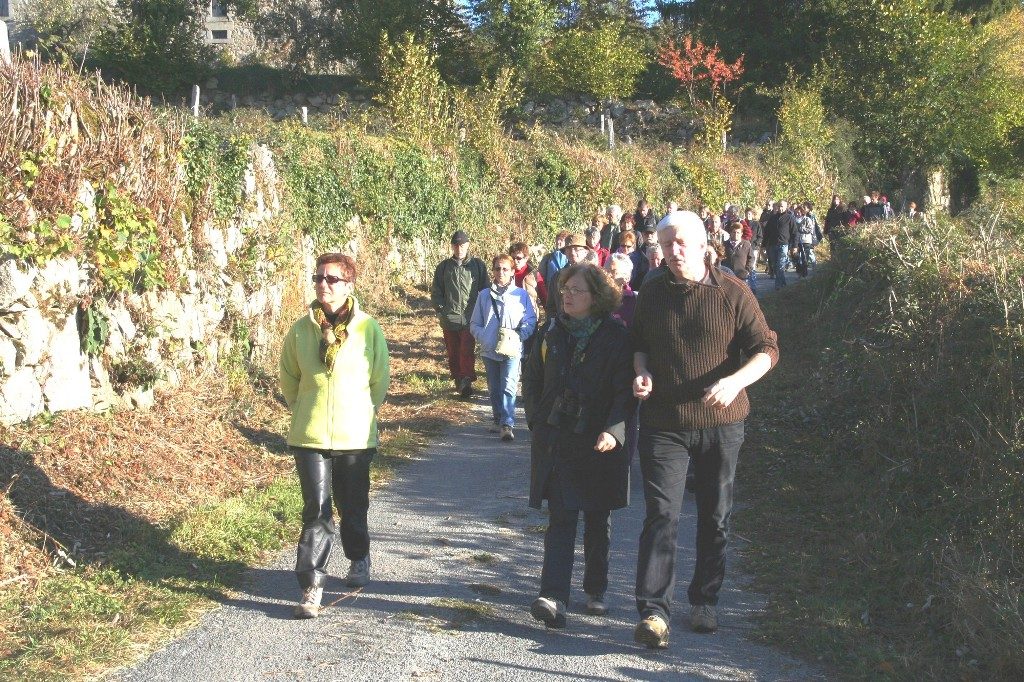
577	395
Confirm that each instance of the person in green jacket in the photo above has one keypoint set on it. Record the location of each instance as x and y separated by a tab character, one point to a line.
334	377
457	282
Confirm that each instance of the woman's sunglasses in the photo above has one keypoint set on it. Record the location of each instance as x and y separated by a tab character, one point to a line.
330	279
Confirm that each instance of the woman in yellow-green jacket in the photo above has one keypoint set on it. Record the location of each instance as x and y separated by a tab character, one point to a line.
334	376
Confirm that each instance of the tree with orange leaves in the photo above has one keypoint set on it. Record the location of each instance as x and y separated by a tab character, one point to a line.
692	63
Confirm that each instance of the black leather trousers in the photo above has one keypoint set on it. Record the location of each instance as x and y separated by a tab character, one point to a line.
341	475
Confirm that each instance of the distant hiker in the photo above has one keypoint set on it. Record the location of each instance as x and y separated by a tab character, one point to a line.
593	236
529	278
575	249
503	318
887	212
834	216
453	292
610	230
643	216
334	376
739	254
620	267
554	261
803	257
873	208
851	216
576	393
700	339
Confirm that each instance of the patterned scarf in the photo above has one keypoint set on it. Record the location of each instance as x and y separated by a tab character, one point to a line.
581	330
332	335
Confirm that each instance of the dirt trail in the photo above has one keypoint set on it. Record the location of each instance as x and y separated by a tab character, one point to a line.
456	559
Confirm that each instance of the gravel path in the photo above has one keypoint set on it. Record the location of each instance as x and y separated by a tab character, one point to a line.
456	561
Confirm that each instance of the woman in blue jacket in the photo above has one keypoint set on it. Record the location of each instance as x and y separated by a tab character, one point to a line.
502	306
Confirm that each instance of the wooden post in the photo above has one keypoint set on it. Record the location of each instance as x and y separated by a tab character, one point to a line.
5	45
602	124
305	115
611	133
725	137
195	101
234	102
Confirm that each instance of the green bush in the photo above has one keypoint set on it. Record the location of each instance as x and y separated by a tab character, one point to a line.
157	45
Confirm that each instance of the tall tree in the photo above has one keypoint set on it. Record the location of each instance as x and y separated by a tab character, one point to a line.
984	10
591	13
515	32
924	87
592	61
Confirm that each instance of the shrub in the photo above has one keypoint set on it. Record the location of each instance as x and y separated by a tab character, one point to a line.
157	45
929	426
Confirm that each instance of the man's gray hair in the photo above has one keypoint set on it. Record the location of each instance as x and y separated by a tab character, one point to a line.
680	219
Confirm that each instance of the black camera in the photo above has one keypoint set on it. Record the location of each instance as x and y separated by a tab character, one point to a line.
567	412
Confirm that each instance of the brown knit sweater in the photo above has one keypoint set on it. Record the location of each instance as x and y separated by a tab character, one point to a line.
694	334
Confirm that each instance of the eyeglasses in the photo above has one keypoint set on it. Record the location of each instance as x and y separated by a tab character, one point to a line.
572	291
330	279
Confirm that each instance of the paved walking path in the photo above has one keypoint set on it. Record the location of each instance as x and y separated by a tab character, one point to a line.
456	561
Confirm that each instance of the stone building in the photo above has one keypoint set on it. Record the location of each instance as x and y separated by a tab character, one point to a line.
234	37
9	12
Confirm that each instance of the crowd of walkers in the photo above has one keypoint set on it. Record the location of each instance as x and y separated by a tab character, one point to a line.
635	339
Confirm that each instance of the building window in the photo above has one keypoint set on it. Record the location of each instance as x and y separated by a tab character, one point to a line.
217	9
219	36
5	9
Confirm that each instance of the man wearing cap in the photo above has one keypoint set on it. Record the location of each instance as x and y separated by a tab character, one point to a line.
575	251
641	262
700	339
457	280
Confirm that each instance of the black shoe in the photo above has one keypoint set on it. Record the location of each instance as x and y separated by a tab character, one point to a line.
465	388
550	611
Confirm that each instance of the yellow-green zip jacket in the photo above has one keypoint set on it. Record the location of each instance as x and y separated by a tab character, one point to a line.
336	411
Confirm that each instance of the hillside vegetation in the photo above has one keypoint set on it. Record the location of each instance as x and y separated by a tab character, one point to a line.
888	524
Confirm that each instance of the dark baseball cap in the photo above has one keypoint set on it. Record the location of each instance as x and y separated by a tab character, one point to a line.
460	237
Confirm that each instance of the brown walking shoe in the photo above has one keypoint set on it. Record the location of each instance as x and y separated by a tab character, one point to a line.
309	607
652	632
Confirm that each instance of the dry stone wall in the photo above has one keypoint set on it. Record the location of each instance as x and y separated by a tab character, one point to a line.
151	338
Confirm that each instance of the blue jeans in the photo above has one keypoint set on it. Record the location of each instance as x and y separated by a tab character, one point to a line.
780	261
502	380
664	457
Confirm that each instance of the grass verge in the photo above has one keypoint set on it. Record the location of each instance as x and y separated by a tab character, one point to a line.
118	531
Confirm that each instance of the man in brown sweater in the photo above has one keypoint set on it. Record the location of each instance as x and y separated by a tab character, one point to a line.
700	340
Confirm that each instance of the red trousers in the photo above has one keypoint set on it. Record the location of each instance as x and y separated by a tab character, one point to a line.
461	362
